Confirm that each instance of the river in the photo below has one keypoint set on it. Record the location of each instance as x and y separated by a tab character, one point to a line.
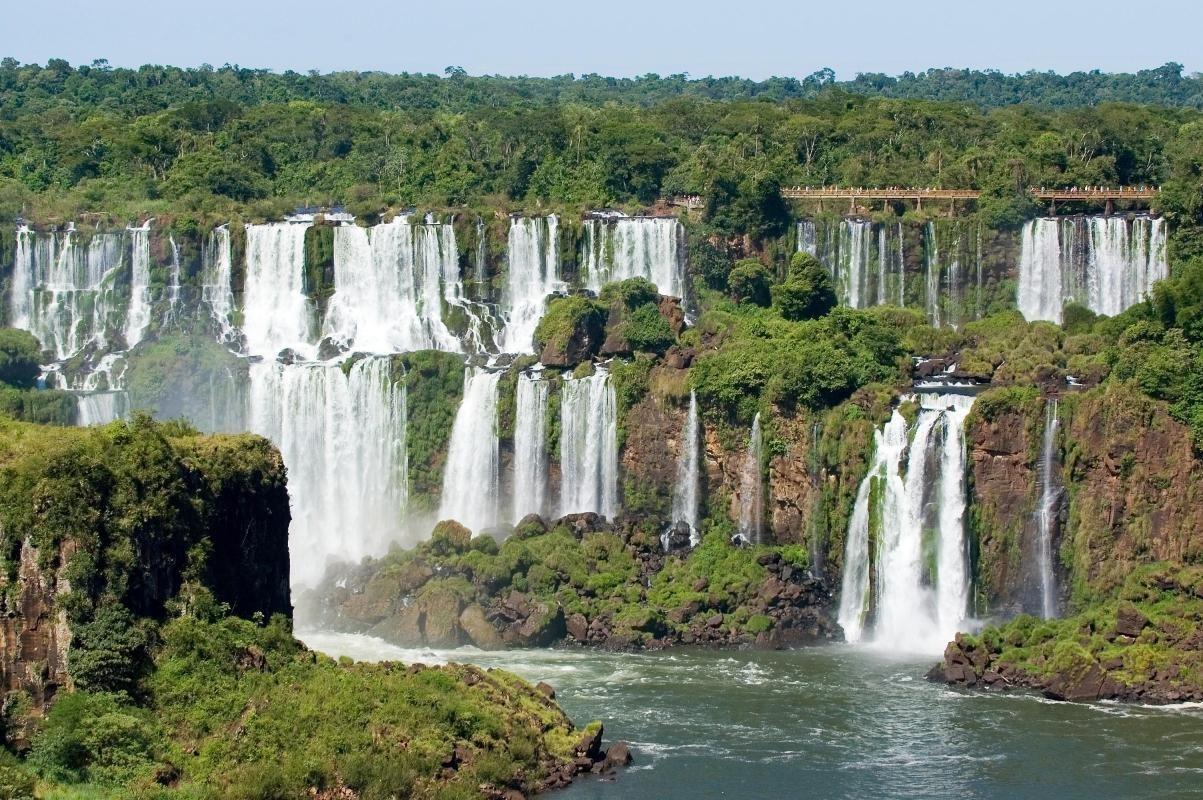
836	722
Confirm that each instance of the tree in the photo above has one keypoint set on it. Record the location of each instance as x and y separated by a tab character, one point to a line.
750	282
20	355
807	292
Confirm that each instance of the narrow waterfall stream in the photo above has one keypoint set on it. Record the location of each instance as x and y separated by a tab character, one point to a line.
906	577
470	476
138	315
530	446
588	445
1046	511
217	283
751	488
533	274
687	490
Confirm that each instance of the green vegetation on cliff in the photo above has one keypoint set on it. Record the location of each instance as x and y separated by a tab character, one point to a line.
581	579
1142	644
145	577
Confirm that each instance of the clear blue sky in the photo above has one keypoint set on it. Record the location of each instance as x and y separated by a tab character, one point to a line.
752	38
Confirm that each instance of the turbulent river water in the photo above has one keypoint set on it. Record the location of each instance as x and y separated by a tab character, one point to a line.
836	722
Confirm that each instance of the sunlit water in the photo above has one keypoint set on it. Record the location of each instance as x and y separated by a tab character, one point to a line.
837	722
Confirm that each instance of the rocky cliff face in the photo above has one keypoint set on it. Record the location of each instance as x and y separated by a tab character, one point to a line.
1004	488
1133	487
133	517
35	632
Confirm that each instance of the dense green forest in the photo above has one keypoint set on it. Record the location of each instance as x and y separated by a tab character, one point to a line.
208	142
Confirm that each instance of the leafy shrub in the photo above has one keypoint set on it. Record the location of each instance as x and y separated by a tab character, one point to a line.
807	292
20	357
647	330
750	282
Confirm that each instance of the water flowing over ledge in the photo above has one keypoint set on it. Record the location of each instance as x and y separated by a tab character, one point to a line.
1104	263
906	577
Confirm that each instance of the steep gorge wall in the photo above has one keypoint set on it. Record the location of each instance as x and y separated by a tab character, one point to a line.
133	517
1133	491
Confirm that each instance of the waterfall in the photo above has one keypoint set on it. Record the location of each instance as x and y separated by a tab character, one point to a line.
530	447
751	488
342	436
482	253
627	247
931	294
853	275
276	312
876	498
20	314
1107	264
588	445
905	563
138	315
470	476
99	408
533	274
808	238
689	475
64	293
389	287
173	284
1124	259
865	259
1046	512
216	288
1039	294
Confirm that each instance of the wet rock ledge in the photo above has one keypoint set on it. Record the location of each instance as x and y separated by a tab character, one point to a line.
1145	646
583	580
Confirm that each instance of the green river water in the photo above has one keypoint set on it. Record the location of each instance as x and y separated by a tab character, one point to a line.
837	722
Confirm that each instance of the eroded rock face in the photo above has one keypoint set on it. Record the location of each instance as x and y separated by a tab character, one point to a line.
1004	485
1136	494
36	635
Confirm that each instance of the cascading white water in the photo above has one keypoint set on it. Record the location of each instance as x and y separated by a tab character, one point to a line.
1039	294
1125	258
533	273
931	294
470	476
876	499
20	300
389	287
751	488
173	285
687	491
618	248
912	506
342	436
530	446
217	282
808	241
137	317
1046	511
588	445
100	408
64	293
276	312
1105	263
853	274
865	259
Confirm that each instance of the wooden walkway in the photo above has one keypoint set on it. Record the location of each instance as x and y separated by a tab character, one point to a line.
1106	195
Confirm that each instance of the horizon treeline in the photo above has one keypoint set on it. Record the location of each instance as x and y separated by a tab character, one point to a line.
209	142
